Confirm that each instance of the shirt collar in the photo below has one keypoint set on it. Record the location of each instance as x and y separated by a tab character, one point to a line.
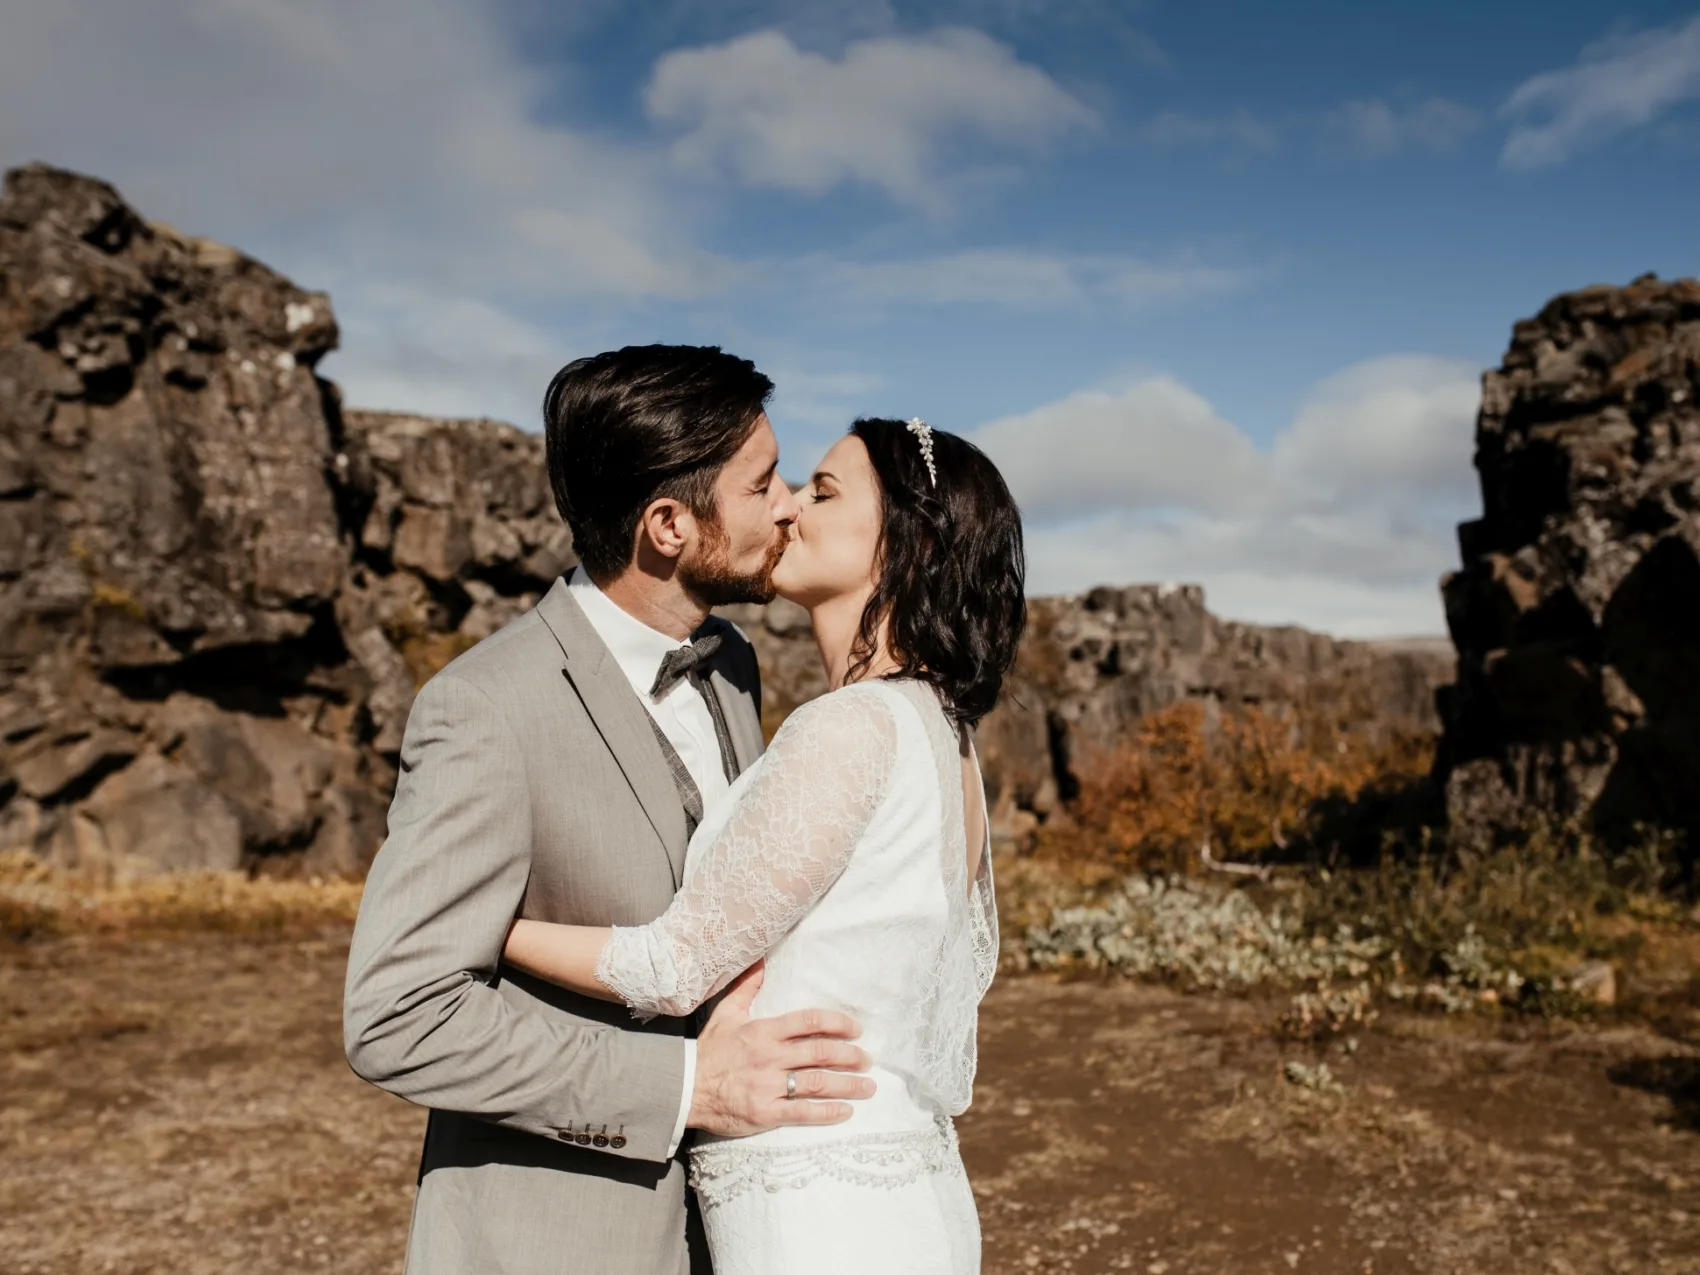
636	648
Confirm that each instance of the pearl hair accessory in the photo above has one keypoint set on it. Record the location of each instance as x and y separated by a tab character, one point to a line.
923	433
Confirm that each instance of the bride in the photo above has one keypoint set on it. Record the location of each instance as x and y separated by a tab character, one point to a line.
853	859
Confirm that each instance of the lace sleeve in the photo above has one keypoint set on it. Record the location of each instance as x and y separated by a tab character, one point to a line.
788	839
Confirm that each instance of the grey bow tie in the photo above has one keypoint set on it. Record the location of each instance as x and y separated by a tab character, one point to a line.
686	662
690	663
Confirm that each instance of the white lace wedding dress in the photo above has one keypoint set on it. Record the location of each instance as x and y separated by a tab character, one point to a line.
841	857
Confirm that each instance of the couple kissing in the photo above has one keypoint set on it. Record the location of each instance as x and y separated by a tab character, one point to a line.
678	1002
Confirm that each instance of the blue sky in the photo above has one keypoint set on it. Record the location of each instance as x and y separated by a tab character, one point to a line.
1213	282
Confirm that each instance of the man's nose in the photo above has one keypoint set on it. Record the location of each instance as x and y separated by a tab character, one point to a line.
786	508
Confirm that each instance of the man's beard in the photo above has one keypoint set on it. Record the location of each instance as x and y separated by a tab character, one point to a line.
712	581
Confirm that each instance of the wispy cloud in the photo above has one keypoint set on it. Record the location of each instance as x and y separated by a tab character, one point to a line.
1241	129
1375	126
886	114
1345	523
1615	86
1027	279
1366	127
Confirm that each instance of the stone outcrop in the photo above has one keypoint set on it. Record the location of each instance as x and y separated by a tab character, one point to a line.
218	590
455	533
1093	665
1576	613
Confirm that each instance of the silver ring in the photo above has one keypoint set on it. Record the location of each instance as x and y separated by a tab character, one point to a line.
790	1084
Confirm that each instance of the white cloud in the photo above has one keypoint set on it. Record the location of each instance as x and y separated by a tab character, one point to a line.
1392	425
1026	279
1156	445
1615	86
400	154
885	114
1344	524
409	349
1374	126
403	133
390	151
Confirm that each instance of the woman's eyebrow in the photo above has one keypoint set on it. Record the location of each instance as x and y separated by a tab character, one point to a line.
823	473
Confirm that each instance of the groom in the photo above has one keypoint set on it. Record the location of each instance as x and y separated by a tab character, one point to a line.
555	772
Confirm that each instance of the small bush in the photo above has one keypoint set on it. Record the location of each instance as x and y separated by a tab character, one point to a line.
1242	783
1504	931
1509	924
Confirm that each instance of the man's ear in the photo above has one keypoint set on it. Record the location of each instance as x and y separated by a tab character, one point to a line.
666	524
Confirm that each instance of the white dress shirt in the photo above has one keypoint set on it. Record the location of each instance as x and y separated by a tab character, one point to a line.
682	714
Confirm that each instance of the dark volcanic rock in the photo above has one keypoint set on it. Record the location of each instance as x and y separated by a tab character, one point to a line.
1577	611
217	591
457	535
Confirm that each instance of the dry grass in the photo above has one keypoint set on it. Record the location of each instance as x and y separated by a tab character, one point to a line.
38	902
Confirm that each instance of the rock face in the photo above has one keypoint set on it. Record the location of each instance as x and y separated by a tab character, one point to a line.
455	533
1576	613
1093	665
217	590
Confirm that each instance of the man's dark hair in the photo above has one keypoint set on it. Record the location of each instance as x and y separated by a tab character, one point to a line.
633	426
951	570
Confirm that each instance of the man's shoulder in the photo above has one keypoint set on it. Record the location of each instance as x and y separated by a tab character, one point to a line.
729	633
736	661
737	658
507	665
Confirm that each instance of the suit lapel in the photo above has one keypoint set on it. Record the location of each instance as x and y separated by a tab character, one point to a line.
741	723
620	718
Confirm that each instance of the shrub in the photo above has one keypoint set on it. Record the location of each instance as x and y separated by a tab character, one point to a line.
1240	782
1508	930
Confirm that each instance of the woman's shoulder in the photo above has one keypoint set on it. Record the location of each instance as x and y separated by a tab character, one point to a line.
858	706
853	718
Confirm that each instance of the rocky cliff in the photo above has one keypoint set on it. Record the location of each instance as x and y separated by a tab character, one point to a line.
1576	613
219	589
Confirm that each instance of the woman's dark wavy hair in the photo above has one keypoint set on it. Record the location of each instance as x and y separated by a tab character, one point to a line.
952	572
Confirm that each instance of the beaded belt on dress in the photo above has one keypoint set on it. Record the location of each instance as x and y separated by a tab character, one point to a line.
722	1171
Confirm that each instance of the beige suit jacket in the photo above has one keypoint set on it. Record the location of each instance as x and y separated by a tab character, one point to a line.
531	785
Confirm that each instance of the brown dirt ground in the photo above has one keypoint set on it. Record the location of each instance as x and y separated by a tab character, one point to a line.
181	1105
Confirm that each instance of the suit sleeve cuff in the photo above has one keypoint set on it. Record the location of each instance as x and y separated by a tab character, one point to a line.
684	1098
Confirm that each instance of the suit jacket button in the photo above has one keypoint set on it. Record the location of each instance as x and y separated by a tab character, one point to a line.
565	1135
599	1140
583	1139
617	1141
